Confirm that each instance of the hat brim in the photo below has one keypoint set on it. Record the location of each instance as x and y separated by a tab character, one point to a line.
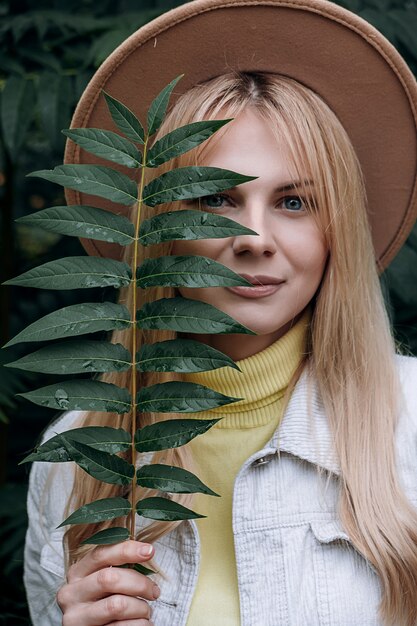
340	56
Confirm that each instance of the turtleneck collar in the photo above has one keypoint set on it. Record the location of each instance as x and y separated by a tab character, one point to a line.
262	382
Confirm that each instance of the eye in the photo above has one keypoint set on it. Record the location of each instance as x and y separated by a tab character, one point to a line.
215	201
293	203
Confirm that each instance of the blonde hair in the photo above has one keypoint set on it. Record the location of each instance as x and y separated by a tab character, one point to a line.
351	347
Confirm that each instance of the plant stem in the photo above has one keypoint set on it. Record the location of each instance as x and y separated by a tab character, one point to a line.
134	348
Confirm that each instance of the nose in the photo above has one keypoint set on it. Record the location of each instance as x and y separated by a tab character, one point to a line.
257	245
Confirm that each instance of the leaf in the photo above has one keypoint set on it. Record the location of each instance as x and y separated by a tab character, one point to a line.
54	97
404	23
182	140
172	479
103	43
402	275
164	509
20	25
188	271
96	180
381	20
80	395
171	433
351	5
190	182
103	438
13	527
159	106
181	355
41	57
98	511
77	319
106	145
138	567
76	357
180	397
100	465
189	224
125	120
77	272
17	112
11	66
185	315
83	221
108	536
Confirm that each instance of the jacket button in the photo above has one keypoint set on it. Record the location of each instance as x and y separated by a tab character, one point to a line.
263	460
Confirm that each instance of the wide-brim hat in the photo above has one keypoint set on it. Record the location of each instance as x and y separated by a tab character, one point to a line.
337	54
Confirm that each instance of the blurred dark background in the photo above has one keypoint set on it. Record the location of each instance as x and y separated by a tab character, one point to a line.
49	51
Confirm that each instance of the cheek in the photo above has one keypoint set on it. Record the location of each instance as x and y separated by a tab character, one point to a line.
183	247
200	247
307	251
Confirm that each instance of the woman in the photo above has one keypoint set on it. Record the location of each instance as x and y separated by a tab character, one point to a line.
325	397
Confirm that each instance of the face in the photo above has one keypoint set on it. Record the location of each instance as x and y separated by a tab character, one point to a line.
285	262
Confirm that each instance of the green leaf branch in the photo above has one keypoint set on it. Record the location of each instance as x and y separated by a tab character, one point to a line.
97	449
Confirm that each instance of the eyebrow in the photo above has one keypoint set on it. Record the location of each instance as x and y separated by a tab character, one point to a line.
287	186
294	185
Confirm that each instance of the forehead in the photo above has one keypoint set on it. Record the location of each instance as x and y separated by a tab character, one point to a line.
251	144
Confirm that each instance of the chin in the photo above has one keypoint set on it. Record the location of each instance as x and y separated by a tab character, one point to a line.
262	328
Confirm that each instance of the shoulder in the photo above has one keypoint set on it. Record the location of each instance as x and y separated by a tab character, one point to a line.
406	365
406	430
50	484
407	372
63	422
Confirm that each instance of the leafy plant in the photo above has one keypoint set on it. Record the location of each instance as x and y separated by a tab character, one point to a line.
97	449
13	522
56	46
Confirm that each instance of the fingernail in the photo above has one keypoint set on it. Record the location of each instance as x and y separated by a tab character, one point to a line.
156	591
145	550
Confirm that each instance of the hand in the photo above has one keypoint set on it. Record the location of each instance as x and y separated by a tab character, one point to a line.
97	594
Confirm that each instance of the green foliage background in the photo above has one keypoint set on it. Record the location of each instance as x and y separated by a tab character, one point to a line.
49	50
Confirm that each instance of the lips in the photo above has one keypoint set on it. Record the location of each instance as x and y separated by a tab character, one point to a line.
261	287
262	279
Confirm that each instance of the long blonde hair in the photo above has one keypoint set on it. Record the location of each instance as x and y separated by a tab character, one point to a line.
352	350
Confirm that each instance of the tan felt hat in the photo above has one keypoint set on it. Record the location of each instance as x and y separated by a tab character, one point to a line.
331	50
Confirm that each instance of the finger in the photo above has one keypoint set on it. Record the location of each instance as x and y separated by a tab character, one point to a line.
133	622
109	581
104	556
115	608
119	607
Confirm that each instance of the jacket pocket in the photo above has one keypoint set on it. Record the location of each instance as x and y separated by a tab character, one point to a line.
347	585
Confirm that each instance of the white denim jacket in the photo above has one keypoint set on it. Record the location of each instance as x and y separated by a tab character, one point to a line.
296	565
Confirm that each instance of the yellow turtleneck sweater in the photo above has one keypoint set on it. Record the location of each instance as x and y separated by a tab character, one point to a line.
219	454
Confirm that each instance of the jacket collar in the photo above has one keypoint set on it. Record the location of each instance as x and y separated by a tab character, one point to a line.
304	430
